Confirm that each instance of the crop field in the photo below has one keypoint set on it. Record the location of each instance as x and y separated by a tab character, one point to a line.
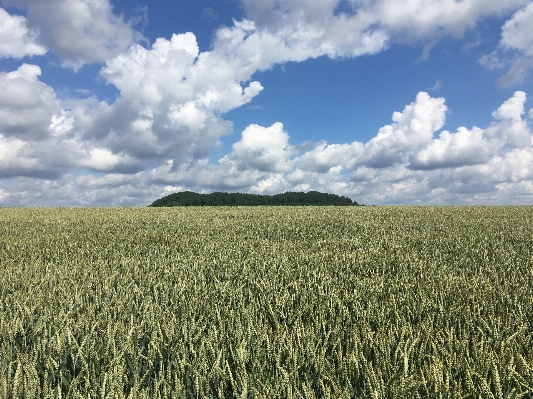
266	302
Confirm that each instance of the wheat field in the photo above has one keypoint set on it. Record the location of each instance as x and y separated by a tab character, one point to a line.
266	302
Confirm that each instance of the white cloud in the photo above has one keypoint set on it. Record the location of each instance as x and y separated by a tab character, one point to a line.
78	31
402	164
69	190
326	156
10	164
517	33
511	191
37	136
200	176
517	43
162	128
472	45
515	166
265	149
295	30
512	131
421	18
466	147
512	108
374	23
412	130
273	181
187	115
254	47
16	39
172	99
26	104
102	159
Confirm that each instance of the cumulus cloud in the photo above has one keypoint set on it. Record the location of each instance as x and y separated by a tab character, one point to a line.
161	130
513	108
403	163
265	149
16	39
367	26
37	138
412	129
171	101
477	146
102	159
324	157
295	30
511	131
69	190
418	19
466	147
78	31
26	105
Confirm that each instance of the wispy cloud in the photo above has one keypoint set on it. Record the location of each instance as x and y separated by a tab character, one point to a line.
437	86
515	48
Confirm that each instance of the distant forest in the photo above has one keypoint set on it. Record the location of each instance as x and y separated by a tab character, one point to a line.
188	198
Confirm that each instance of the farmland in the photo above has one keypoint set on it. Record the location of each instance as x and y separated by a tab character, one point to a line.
266	302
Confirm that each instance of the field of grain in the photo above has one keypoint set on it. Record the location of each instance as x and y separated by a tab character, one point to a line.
267	302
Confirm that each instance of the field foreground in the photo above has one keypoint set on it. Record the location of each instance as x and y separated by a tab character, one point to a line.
286	302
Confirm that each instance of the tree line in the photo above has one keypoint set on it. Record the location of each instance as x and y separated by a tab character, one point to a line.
189	198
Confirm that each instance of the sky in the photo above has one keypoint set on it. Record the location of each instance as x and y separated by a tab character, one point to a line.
388	102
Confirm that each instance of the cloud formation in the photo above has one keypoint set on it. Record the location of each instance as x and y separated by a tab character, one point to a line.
171	101
403	163
37	138
78	31
26	104
515	48
159	134
265	149
16	39
517	33
353	27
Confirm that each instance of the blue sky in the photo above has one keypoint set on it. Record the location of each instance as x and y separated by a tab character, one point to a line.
121	102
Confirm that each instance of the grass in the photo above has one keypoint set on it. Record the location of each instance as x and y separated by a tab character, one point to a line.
288	302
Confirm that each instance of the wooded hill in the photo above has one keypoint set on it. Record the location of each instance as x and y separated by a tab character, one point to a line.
189	198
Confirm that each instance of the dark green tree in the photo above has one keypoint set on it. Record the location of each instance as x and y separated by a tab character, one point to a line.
189	198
